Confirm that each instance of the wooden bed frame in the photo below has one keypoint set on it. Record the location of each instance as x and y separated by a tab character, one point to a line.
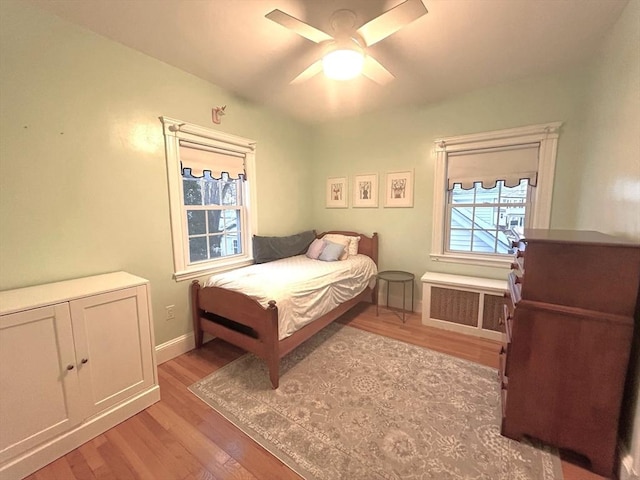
242	321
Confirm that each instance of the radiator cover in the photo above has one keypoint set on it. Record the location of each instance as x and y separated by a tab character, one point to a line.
468	305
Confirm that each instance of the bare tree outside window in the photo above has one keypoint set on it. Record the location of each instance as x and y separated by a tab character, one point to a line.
213	221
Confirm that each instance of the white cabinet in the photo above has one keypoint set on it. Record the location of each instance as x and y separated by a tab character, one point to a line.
76	358
39	398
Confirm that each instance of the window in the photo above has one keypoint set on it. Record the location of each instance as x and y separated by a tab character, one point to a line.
486	220
210	187
489	187
213	210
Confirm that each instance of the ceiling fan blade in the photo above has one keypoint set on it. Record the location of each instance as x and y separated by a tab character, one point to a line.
375	71
313	69
391	21
298	26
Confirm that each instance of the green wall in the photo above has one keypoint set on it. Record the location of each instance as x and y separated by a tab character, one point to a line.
83	186
403	139
611	162
83	181
611	167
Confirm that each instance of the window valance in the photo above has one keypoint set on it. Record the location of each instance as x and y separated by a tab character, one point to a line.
200	158
487	166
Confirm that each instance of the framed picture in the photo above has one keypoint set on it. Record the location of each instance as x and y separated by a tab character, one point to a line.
399	189
365	190
337	192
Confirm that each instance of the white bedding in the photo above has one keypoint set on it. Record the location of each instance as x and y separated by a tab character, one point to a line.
304	289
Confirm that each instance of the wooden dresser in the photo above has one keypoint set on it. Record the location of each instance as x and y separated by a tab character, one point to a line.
569	326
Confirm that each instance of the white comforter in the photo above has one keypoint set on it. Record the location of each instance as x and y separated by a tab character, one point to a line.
304	289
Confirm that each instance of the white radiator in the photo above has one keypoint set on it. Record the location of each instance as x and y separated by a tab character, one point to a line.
463	304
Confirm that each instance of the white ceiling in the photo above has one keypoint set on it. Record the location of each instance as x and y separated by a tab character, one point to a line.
460	45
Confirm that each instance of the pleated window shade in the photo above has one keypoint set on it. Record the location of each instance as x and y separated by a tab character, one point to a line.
201	158
488	166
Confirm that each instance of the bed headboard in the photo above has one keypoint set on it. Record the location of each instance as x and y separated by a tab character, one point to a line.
368	244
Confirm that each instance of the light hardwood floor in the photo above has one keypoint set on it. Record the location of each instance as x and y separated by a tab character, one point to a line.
182	438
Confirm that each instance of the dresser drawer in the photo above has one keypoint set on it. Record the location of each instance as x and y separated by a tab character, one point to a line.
514	288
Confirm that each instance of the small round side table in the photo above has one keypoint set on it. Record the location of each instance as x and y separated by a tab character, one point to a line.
397	276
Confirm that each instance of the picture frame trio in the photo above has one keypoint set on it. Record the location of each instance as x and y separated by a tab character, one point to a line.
398	191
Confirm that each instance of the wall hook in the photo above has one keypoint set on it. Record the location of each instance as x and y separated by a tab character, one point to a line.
217	113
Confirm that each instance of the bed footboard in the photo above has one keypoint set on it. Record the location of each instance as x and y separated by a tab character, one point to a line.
239	320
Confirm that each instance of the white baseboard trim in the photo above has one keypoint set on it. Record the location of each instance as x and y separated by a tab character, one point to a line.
179	345
395	301
36	458
174	348
185	343
626	467
463	329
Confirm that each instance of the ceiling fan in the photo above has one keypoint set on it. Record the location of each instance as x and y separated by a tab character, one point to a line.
343	53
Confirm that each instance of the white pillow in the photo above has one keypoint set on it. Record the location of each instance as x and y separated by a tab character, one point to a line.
353	245
352	248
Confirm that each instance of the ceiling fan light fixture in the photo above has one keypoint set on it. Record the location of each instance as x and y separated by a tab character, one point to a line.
343	63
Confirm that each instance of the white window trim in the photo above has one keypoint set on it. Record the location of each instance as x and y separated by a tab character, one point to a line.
174	131
544	134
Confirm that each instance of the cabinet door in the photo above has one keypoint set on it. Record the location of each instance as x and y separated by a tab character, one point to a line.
113	346
39	395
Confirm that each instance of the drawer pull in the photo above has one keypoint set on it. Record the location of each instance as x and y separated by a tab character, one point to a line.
84	360
70	367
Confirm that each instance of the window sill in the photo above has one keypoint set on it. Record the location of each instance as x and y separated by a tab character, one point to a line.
205	270
483	261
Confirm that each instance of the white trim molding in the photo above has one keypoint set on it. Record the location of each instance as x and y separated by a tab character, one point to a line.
47	452
628	471
175	131
630	454
175	347
546	135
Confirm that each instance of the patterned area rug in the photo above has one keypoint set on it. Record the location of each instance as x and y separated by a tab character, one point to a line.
358	406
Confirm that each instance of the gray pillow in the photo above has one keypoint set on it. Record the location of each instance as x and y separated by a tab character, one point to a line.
267	249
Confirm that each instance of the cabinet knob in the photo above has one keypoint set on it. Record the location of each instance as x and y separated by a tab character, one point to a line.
501	321
515	243
84	360
519	254
515	266
69	367
518	280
